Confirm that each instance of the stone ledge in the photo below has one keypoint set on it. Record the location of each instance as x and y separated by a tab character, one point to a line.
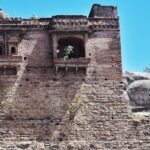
10	59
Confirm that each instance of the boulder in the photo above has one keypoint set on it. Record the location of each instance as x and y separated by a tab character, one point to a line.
131	77
139	93
137	86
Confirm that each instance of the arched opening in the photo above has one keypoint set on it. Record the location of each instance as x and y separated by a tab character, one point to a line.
1	51
77	45
13	50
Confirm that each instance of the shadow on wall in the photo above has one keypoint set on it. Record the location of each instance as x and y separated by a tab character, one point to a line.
36	103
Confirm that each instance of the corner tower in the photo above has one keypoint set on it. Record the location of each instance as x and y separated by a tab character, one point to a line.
104	45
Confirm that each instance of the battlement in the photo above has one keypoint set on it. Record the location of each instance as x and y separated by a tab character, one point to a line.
99	11
100	18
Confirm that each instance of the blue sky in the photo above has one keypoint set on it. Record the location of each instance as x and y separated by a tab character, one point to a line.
134	22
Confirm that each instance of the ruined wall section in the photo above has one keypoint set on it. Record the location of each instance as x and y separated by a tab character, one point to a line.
66	110
69	110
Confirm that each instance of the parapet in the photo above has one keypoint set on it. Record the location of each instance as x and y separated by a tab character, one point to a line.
99	11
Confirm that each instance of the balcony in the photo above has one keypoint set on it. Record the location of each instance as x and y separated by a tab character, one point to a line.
10	59
71	63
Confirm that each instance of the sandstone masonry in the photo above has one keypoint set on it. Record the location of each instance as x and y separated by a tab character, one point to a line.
48	103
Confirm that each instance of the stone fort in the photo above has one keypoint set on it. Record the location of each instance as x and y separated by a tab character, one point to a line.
51	103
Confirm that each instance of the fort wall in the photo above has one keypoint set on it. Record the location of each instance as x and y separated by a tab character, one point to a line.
51	103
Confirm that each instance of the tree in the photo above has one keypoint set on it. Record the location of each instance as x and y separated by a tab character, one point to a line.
67	52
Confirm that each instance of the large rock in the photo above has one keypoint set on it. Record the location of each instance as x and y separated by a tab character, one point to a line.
137	87
131	77
139	93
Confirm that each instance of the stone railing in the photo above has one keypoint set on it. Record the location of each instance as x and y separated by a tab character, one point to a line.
71	63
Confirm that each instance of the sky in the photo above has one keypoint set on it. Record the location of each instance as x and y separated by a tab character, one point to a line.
134	22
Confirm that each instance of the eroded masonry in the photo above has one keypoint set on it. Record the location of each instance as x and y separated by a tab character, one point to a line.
61	84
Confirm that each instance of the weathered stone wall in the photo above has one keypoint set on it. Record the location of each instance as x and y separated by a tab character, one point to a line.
103	48
71	110
67	111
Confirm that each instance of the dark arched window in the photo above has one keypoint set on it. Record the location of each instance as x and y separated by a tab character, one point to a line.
13	50
1	50
76	43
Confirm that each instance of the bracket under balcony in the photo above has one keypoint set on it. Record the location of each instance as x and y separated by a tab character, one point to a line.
75	63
